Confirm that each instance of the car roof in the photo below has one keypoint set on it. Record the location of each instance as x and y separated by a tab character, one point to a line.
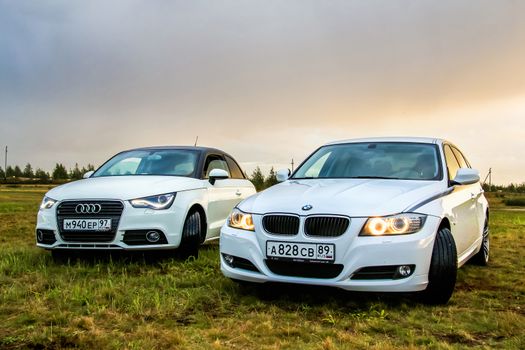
390	139
185	148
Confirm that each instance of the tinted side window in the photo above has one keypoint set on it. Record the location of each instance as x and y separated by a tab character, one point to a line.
461	158
214	162
236	171
452	163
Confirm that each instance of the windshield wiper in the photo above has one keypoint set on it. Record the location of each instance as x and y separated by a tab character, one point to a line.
375	177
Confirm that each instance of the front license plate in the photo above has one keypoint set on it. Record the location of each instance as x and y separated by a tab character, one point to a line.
300	251
87	224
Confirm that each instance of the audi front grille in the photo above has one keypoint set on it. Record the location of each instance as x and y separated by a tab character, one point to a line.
89	210
326	226
287	225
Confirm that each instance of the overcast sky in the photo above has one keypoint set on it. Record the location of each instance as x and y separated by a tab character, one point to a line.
266	81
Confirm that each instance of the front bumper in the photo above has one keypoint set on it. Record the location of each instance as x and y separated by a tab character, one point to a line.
352	252
170	222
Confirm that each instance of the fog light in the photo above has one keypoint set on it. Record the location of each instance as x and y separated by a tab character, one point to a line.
153	236
39	235
404	270
228	259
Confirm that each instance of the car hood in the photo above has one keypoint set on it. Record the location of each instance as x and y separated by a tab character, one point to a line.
352	197
123	187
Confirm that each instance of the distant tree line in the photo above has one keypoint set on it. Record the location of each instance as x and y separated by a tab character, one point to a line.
514	188
260	181
15	174
60	174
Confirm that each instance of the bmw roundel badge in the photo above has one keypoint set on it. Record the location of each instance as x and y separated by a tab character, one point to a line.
307	207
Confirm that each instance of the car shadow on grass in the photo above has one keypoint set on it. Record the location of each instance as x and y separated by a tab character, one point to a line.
291	295
93	257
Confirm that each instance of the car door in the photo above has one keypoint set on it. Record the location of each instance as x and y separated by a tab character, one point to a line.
222	194
244	187
476	192
462	206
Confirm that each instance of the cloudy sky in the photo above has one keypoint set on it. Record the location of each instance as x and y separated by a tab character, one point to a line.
266	81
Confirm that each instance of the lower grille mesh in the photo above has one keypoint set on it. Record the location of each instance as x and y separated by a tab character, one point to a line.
300	269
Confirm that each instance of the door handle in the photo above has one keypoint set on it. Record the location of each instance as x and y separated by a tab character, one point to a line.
475	195
238	193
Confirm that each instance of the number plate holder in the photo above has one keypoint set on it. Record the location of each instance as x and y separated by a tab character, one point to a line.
300	251
102	225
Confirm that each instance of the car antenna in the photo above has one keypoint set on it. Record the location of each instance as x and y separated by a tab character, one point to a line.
196	139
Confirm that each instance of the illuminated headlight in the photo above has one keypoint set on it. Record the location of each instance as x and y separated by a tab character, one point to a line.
47	203
241	220
162	201
393	225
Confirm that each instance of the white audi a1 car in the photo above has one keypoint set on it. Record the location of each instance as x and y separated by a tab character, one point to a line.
144	199
378	214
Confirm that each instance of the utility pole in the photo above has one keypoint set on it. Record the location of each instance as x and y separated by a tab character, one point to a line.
489	177
5	164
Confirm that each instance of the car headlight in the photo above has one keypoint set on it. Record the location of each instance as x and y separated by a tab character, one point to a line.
393	225
47	203
159	202
241	220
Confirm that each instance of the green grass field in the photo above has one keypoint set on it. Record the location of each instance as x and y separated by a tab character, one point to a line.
135	303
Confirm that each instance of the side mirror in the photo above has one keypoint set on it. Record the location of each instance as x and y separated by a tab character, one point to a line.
283	175
466	176
88	174
217	174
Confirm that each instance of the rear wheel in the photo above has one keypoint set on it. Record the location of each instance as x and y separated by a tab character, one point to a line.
482	257
443	269
191	236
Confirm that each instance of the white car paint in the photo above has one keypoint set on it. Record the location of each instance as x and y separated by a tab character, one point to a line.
463	206
215	200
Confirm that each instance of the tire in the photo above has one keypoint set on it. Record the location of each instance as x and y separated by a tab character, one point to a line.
443	269
482	257
191	236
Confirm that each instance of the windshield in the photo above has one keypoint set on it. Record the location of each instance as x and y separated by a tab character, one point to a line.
384	160
151	162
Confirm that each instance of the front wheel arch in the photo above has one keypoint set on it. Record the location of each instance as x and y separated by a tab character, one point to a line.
445	223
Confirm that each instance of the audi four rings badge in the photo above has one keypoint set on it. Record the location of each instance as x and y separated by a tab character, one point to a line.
88	208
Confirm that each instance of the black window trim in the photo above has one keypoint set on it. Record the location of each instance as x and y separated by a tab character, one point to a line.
208	154
462	155
227	156
445	157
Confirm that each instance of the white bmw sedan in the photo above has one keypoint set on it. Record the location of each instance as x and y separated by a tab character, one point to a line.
380	214
144	199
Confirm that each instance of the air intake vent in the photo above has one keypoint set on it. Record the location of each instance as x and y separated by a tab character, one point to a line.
326	226
45	236
300	269
281	224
